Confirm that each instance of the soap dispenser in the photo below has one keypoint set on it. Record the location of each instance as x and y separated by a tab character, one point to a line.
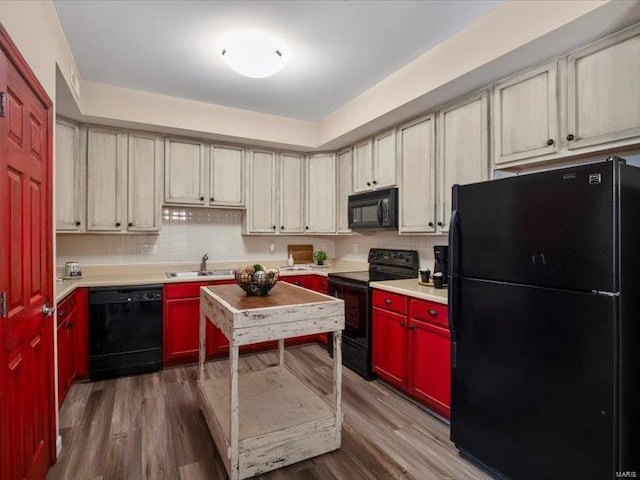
290	260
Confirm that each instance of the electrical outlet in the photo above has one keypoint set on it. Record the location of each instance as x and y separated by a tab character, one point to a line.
323	246
149	249
355	247
272	248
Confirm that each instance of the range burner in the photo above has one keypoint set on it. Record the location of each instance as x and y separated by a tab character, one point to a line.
353	288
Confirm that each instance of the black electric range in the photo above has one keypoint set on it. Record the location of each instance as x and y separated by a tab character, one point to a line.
354	289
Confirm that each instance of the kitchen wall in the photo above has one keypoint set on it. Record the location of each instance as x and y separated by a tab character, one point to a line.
186	234
356	246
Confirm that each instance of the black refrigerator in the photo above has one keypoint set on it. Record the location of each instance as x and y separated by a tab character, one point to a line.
544	311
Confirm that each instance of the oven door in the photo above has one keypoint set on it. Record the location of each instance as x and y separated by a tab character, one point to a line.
357	311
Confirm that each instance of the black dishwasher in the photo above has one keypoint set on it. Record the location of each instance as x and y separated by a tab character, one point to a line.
125	331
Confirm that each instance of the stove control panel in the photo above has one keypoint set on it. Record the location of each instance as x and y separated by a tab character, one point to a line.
404	258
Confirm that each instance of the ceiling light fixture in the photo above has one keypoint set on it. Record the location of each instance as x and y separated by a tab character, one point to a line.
254	54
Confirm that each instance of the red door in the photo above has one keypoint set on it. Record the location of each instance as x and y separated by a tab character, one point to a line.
390	347
26	335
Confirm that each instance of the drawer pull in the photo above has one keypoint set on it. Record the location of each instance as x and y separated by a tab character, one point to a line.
402	324
387	301
412	327
433	313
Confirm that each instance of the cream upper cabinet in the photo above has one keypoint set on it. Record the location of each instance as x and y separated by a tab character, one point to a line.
106	179
261	211
604	92
226	176
70	178
291	193
362	166
144	182
463	149
384	160
417	154
345	188
321	193
184	172
525	115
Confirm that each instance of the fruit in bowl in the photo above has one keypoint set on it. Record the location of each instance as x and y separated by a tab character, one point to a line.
255	280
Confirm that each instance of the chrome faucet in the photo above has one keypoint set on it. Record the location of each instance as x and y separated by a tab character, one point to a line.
203	262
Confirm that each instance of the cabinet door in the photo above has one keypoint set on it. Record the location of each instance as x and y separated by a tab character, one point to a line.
525	115
384	160
262	183
362	166
80	334
390	346
320	284
144	182
182	331
345	188
463	150
291	194
184	172
106	179
226	176
430	366
321	194
63	361
418	166
70	178
603	93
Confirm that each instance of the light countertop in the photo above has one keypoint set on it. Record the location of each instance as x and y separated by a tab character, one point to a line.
127	275
412	288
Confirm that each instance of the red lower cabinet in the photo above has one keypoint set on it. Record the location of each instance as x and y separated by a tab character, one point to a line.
390	347
300	280
412	350
320	284
182	324
429	377
73	341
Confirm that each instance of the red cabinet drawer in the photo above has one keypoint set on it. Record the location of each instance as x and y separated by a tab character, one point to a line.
190	289
431	312
320	284
390	301
300	280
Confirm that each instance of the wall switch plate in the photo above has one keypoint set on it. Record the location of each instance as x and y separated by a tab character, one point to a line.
272	248
149	249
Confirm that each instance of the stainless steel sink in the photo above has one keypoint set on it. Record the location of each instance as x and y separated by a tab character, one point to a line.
197	274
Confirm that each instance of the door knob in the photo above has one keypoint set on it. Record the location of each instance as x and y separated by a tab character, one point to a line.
48	311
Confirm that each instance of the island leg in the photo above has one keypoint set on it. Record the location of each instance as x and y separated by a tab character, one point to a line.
281	352
337	383
203	344
234	413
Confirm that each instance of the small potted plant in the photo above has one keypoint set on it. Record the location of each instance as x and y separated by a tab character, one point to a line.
319	257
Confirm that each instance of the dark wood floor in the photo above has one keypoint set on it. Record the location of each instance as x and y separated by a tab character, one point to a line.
150	427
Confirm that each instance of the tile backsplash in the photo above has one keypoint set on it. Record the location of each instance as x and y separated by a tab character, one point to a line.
186	234
356	246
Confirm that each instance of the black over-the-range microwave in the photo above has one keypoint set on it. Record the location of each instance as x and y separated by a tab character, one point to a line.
377	209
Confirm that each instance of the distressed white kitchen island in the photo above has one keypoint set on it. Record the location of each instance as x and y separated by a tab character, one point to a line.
263	420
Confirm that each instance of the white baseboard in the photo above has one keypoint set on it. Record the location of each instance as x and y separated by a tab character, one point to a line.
58	446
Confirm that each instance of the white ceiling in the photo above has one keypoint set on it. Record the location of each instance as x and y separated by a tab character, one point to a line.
340	48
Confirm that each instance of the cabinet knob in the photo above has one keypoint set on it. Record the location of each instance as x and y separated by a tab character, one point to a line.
430	224
440	224
570	137
433	313
412	327
402	324
281	227
273	227
130	224
118	224
70	325
77	223
307	227
550	141
202	199
375	182
212	199
387	301
368	184
296	283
